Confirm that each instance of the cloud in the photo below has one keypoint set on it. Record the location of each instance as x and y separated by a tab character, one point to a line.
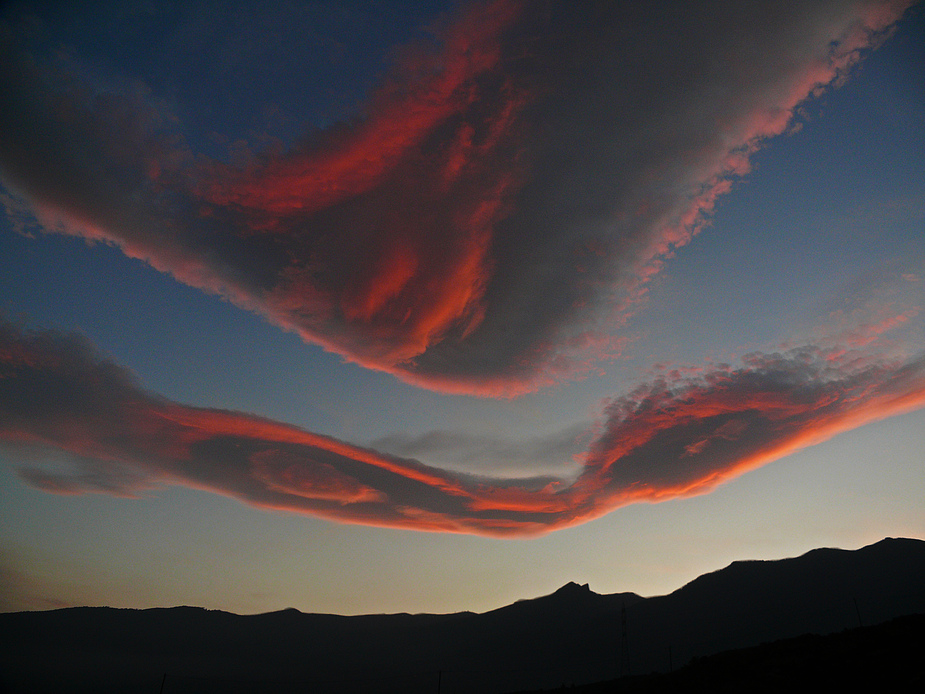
674	436
878	310
552	454
486	221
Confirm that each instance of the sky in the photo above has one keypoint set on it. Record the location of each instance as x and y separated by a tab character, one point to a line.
359	308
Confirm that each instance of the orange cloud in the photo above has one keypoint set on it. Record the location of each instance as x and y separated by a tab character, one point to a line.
429	89
484	221
669	438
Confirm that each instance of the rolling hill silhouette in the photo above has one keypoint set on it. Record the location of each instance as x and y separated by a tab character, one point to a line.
571	636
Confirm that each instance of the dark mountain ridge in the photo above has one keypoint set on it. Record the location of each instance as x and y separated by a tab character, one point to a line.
571	636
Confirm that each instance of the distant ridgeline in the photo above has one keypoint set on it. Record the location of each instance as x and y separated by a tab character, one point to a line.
573	636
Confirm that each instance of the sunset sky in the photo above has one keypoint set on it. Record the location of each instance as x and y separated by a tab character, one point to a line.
354	308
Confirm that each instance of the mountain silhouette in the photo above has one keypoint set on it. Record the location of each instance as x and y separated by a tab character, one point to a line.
571	636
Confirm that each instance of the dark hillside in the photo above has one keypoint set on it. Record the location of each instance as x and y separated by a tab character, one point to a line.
571	636
886	657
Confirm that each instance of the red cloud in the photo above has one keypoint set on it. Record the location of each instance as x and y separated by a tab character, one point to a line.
477	224
402	115
668	438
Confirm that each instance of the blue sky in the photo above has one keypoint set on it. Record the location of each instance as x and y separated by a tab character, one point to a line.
780	333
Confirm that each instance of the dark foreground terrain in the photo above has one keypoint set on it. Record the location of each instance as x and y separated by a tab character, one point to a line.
573	636
888	657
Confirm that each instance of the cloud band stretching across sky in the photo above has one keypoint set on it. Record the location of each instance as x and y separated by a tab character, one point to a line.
668	438
485	221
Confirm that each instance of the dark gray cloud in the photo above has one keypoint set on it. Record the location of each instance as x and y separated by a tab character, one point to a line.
489	213
75	422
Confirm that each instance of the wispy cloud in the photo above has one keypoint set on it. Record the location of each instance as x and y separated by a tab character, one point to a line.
555	454
675	436
493	211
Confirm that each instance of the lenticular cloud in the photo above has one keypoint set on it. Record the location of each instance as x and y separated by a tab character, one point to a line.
61	399
488	217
